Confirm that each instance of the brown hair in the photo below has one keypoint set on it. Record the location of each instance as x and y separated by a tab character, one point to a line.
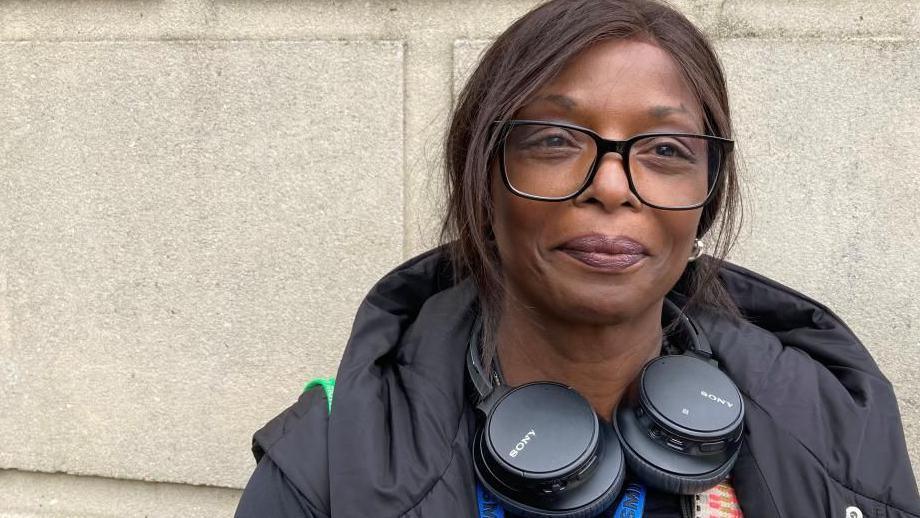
525	57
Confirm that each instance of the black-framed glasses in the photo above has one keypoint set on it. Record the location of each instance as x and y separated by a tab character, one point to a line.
551	161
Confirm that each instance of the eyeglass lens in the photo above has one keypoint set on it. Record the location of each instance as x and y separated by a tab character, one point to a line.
669	171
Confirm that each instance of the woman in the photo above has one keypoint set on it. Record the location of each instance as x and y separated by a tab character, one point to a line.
587	158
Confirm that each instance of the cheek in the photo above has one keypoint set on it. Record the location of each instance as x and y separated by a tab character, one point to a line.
507	222
681	228
518	225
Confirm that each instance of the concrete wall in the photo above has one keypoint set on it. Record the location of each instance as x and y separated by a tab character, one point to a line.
194	196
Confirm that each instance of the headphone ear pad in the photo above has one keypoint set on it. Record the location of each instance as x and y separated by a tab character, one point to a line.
599	493
585	512
707	472
670	483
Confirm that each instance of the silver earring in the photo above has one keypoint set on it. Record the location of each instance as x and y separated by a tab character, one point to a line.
698	247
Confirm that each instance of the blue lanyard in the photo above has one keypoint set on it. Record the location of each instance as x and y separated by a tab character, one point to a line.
631	505
488	505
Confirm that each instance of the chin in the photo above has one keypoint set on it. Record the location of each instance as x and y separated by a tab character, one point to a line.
600	305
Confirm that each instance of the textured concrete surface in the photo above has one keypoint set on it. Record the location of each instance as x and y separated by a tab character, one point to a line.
187	231
195	194
836	19
40	495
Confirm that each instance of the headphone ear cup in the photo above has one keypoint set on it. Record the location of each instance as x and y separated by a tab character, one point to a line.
587	500
665	469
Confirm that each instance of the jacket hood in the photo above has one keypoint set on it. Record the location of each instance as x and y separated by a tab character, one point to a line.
397	440
405	416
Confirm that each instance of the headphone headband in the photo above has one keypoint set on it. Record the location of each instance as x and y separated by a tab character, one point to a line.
477	374
688	338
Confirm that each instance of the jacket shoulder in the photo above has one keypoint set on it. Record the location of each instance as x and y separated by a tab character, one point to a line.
813	391
295	443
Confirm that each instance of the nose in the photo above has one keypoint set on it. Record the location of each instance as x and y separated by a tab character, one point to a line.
610	186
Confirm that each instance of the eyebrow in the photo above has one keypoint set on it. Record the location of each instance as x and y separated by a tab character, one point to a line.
661	112
562	100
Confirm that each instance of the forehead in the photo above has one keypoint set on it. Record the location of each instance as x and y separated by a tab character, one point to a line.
633	83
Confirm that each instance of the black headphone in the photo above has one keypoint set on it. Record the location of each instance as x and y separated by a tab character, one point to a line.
542	450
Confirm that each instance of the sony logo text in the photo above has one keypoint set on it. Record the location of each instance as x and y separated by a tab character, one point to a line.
717	399
519	447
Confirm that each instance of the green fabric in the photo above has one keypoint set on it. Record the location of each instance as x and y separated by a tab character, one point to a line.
328	385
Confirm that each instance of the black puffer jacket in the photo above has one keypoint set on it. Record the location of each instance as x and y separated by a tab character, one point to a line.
822	429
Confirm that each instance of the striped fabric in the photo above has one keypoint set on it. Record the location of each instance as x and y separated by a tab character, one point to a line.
718	502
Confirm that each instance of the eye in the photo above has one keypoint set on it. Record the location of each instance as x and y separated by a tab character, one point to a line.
555	141
666	150
551	140
539	141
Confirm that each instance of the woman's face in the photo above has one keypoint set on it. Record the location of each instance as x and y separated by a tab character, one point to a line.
601	257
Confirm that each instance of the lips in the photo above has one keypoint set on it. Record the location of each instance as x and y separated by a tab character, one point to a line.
613	253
